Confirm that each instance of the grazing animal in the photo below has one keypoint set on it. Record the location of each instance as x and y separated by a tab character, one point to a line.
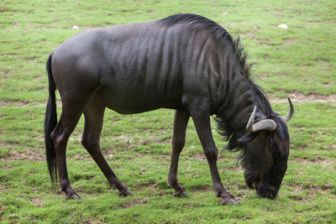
183	62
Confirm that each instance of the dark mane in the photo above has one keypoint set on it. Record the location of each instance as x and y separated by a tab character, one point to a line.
219	32
198	22
242	57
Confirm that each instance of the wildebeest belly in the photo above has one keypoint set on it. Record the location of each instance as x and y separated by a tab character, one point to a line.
130	101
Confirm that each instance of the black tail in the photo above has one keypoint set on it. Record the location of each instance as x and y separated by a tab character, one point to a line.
49	125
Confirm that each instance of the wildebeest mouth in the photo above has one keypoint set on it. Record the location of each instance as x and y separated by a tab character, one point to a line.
267	191
252	179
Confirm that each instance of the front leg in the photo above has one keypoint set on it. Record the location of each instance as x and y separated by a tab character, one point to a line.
180	125
201	117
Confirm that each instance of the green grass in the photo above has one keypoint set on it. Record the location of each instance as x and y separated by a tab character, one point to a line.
300	61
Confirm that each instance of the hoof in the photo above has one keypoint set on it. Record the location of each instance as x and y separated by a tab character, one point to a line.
73	195
125	193
180	194
229	201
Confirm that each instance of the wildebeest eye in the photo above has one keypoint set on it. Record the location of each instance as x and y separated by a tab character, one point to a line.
278	155
246	138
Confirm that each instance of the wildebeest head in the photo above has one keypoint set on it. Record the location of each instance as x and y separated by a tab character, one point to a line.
265	152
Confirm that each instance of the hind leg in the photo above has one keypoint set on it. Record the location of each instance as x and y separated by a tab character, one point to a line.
94	115
71	112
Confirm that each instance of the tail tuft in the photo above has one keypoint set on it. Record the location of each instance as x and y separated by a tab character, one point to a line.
49	125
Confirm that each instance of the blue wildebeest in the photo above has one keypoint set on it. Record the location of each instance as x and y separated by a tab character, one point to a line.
183	62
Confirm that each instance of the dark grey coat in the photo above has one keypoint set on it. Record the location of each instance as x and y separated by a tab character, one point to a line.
183	62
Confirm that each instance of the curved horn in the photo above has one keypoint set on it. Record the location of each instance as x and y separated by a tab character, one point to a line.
290	113
266	124
249	126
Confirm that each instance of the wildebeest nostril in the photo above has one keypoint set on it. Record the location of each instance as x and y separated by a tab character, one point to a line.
252	179
271	194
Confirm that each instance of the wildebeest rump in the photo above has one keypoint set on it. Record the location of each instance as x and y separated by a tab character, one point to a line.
184	62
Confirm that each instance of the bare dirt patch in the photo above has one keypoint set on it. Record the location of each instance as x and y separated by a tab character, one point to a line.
137	201
94	221
2	188
26	103
198	156
32	155
19	103
149	184
316	189
3	9
82	156
38	202
306	192
321	161
311	97
200	188
2	210
289	41
297	193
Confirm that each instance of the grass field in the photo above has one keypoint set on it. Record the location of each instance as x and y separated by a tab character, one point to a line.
299	62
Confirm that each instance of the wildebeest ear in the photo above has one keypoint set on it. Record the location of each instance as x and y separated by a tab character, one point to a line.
246	138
